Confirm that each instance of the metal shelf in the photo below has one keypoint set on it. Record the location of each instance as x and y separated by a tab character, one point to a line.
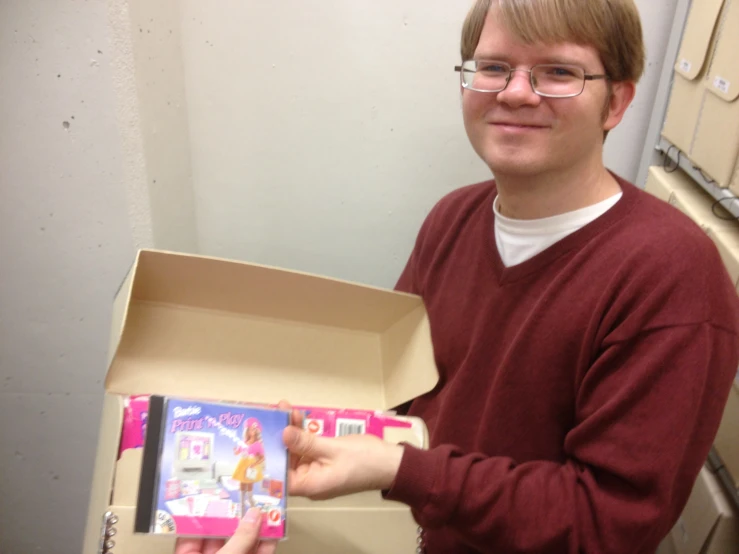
729	200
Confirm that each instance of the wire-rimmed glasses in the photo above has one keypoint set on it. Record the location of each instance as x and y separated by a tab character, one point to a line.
549	80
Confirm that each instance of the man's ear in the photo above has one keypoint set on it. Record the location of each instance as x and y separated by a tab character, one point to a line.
620	98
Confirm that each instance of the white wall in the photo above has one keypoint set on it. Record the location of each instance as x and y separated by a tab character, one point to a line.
64	244
625	145
323	132
310	135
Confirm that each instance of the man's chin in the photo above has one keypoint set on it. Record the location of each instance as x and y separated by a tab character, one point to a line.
514	166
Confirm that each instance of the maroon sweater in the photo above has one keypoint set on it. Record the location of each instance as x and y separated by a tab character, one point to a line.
579	391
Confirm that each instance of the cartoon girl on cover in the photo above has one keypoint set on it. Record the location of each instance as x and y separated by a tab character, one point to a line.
250	468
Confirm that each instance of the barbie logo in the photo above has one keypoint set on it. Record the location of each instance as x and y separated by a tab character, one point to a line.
189	411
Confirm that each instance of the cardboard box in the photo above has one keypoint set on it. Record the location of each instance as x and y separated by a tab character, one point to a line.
224	330
659	185
727	439
679	190
716	146
691	68
708	524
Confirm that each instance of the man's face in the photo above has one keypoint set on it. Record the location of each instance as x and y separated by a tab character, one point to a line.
516	131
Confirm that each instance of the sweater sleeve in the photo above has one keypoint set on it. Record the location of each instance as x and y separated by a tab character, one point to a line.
610	492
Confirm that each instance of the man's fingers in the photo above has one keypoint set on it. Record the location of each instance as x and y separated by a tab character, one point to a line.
246	536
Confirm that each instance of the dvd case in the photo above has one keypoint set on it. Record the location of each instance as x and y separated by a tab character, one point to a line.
206	463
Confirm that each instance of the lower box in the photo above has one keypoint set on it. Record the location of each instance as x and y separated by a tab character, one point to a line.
708	524
727	439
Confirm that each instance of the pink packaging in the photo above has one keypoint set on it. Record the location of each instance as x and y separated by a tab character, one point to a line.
135	414
331	422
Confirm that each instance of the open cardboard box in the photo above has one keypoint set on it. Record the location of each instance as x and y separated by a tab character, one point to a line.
216	329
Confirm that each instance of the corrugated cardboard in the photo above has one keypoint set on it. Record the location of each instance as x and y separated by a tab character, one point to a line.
691	68
727	439
708	524
224	330
716	145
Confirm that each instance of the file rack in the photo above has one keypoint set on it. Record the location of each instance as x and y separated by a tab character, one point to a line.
659	151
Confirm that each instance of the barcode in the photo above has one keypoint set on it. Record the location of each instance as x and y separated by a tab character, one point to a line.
346	427
722	84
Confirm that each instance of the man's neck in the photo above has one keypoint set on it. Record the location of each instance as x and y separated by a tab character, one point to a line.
546	195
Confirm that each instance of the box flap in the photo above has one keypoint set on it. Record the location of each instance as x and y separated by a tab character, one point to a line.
699	517
699	30
723	77
226	330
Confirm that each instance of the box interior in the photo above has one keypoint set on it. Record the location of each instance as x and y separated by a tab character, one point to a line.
224	330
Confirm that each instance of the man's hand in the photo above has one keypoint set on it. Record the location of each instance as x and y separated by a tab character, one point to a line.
244	541
323	468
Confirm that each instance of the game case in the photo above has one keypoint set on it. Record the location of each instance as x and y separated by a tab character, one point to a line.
206	463
327	422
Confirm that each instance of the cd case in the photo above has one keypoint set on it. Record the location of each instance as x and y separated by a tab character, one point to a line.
206	463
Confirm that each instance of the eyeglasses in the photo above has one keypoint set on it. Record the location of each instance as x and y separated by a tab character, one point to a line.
549	80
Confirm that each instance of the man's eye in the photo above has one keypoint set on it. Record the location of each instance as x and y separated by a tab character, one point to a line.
561	72
494	68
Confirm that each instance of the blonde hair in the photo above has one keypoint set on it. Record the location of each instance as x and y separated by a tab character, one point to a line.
612	27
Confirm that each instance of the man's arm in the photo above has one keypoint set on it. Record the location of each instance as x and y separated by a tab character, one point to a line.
646	416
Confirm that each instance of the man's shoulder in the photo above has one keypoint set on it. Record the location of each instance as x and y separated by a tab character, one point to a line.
660	224
661	252
463	200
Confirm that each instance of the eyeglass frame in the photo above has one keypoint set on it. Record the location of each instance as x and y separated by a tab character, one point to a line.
586	77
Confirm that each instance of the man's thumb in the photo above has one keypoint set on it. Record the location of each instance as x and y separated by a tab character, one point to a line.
303	443
246	537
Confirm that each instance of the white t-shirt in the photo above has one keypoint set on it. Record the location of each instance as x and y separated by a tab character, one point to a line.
521	239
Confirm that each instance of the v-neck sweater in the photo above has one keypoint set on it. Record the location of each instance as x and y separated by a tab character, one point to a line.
579	391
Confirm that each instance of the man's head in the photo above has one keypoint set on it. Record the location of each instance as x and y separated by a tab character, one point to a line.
517	130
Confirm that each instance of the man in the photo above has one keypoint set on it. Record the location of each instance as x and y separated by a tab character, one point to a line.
585	332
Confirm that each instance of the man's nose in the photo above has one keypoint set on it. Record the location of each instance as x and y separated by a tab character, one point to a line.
519	90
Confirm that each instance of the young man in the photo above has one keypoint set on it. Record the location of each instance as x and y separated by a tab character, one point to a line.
585	332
